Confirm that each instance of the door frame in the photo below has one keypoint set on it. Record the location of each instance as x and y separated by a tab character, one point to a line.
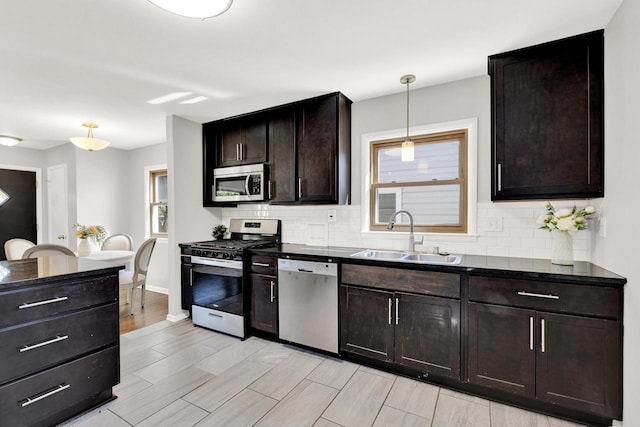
38	171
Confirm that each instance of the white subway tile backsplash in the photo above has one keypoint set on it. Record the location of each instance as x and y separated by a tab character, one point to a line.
520	236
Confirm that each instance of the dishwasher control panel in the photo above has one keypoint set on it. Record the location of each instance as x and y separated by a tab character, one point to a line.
323	268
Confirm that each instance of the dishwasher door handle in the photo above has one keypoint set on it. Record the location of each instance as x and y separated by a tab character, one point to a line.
302	270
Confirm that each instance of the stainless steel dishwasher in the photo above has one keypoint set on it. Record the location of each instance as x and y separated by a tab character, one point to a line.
308	303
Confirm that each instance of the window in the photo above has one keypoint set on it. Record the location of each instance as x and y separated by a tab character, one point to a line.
158	198
433	187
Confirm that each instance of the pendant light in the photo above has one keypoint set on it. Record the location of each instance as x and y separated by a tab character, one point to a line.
9	141
407	145
200	9
88	142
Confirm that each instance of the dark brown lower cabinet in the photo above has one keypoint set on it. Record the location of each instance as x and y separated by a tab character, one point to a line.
417	331
566	360
264	303
366	326
427	335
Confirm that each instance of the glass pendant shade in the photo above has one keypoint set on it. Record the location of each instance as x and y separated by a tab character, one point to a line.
407	151
9	140
194	8
88	142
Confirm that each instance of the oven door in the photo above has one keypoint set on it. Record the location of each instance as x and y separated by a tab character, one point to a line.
217	284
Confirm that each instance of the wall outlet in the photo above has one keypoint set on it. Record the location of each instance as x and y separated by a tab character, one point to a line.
494	223
331	215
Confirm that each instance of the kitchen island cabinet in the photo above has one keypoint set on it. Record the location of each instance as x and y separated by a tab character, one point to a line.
60	329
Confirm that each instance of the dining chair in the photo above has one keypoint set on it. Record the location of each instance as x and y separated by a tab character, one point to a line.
14	248
137	278
47	250
118	242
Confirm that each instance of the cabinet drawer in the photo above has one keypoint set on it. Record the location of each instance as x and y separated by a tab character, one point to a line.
262	264
550	296
47	398
397	279
34	303
39	345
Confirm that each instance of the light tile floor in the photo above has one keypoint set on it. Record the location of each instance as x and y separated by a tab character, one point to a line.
178	375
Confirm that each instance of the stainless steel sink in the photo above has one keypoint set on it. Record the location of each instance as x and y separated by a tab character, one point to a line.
409	257
374	254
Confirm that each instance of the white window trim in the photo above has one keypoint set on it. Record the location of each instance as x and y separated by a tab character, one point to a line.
147	220
471	126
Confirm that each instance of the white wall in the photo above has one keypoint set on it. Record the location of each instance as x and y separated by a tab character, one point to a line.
189	221
618	251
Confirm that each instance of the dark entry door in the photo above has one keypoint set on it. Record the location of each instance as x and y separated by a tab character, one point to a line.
18	212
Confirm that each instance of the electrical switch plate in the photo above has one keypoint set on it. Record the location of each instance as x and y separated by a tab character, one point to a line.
494	224
331	215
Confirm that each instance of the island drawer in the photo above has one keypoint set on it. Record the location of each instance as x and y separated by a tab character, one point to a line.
262	264
400	279
601	301
27	304
38	345
45	398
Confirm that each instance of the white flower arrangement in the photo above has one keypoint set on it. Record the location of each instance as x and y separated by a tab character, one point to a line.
564	220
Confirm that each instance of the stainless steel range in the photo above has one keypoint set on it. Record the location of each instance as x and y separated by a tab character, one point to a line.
213	274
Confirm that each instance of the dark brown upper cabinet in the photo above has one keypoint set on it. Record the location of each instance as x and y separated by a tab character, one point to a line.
310	151
547	120
242	140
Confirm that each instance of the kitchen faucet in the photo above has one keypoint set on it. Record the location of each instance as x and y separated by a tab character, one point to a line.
392	222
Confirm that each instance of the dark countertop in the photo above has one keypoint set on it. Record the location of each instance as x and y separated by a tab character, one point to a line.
47	269
527	268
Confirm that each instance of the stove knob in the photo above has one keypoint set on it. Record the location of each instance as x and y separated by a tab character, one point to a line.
196	252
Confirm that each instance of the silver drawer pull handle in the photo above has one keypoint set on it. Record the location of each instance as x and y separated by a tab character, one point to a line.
35	304
530	294
58	389
542	332
216	315
530	332
397	314
272	294
41	344
389	310
260	264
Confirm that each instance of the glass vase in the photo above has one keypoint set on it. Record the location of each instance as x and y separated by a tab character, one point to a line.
562	250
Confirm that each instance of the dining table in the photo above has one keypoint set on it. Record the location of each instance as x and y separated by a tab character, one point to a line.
112	257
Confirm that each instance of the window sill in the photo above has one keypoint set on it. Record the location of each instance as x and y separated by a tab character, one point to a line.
427	237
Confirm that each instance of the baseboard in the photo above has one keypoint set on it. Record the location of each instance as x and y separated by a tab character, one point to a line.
164	291
177	317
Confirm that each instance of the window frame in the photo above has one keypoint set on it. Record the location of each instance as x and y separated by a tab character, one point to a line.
427	138
152	203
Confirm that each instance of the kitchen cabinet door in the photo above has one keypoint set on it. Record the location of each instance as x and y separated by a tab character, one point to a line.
282	156
577	363
243	140
366	322
547	120
264	303
427	335
501	348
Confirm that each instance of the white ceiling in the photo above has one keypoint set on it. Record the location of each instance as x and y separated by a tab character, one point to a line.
65	62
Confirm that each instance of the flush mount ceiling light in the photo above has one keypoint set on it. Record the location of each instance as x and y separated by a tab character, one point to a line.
407	145
9	140
88	142
201	9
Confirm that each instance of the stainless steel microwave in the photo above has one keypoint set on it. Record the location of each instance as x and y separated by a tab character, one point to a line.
239	183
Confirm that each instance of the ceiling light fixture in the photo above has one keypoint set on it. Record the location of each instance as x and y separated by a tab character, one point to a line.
194	100
9	140
88	142
407	145
168	97
201	9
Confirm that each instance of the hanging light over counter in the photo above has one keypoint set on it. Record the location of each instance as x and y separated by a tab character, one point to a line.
200	9
88	142
407	145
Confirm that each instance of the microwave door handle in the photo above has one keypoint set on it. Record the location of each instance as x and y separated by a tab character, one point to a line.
246	184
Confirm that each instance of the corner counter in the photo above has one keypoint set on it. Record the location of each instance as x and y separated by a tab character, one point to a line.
60	329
